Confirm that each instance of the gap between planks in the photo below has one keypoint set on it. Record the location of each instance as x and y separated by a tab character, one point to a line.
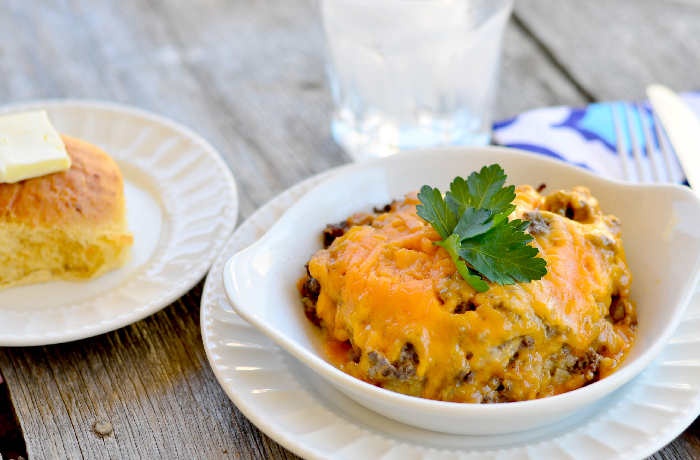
547	52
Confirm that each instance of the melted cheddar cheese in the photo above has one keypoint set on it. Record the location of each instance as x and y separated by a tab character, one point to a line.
397	314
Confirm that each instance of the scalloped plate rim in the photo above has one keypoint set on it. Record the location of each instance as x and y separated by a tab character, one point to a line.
281	435
199	267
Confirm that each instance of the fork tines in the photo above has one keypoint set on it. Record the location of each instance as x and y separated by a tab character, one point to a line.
638	131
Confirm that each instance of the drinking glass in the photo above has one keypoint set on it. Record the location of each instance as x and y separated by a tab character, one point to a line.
412	73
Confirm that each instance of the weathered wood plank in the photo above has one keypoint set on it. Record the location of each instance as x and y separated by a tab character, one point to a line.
151	381
11	437
614	49
686	445
248	76
529	79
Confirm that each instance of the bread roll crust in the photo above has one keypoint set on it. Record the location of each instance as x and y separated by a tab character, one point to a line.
69	225
89	194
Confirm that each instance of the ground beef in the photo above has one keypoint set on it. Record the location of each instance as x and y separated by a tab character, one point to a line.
465	306
334	231
527	342
496	392
379	366
621	311
354	354
403	369
310	290
408	362
576	204
481	370
588	365
385	208
538	224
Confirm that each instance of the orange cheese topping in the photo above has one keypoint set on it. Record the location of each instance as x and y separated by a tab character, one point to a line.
399	316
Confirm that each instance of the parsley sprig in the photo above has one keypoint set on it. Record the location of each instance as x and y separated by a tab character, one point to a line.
472	221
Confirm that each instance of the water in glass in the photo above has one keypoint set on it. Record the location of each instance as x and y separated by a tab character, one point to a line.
412	73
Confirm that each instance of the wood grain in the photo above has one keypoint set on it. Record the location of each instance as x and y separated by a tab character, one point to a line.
248	76
151	381
615	49
12	443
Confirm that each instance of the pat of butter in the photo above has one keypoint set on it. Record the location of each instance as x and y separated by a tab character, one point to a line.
30	147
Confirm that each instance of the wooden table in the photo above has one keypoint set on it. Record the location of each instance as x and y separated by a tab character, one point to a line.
248	76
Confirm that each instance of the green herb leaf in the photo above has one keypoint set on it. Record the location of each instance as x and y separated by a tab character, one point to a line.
503	255
441	214
472	220
503	217
451	245
483	190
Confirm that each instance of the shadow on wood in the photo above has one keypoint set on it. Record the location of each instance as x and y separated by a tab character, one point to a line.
11	439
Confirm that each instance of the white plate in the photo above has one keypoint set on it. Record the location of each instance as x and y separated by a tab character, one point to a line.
308	416
662	252
182	205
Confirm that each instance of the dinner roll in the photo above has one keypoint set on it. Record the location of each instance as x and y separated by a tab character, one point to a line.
64	226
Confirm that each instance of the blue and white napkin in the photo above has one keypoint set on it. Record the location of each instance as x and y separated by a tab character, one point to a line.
582	136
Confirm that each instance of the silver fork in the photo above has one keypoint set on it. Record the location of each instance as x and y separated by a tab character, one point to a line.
660	157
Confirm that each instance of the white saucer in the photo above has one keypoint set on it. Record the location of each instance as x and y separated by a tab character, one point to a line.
182	205
309	417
